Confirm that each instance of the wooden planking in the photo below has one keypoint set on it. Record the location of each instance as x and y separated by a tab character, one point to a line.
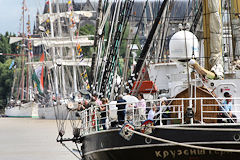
201	92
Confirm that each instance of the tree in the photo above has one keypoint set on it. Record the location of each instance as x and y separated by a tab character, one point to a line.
123	49
87	30
5	82
5	47
6	77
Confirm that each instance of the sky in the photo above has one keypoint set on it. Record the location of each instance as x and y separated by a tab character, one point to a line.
11	12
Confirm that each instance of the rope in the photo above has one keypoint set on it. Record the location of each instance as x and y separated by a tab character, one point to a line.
220	105
199	129
121	28
107	48
78	149
71	151
183	144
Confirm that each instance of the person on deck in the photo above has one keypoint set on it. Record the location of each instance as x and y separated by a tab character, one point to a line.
91	107
165	111
152	112
141	107
121	109
103	111
92	102
227	108
98	101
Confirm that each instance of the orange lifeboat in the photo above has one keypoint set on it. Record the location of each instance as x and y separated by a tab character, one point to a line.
146	87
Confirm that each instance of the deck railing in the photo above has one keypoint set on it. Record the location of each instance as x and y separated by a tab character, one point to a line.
205	111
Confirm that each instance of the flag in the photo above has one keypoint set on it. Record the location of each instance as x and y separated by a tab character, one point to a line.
41	80
125	131
37	82
42	57
38	78
31	54
12	64
42	71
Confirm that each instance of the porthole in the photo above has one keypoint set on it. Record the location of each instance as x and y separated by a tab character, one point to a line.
211	84
148	140
236	137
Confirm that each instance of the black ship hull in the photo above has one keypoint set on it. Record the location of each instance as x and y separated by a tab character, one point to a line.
109	145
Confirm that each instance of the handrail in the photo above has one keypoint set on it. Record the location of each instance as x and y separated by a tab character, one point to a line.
92	121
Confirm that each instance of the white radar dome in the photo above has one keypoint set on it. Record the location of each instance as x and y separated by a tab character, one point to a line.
177	46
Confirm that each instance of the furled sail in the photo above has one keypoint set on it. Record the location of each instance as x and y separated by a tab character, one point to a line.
58	41
202	71
63	41
75	14
215	27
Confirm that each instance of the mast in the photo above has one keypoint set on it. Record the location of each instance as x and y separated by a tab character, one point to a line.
23	46
93	67
113	55
61	51
28	57
127	55
146	47
235	15
53	51
111	32
161	37
72	25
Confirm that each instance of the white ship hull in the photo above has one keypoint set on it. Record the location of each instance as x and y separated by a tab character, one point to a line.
27	110
53	112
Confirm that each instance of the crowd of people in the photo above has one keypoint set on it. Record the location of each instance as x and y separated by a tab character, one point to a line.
140	111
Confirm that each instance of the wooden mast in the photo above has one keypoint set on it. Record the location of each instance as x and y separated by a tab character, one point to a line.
28	57
206	34
23	46
53	52
235	8
235	14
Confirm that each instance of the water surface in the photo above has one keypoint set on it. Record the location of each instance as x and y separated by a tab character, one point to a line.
31	139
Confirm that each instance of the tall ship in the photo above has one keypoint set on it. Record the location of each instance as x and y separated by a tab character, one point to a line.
21	102
62	43
57	48
182	56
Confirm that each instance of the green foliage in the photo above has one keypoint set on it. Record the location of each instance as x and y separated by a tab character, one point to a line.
6	79
124	47
6	75
87	30
5	47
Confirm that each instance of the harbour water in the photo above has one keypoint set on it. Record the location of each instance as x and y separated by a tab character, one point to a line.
31	139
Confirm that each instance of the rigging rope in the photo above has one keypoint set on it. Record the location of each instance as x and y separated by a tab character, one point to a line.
183	144
110	32
201	129
114	50
71	151
217	100
78	149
